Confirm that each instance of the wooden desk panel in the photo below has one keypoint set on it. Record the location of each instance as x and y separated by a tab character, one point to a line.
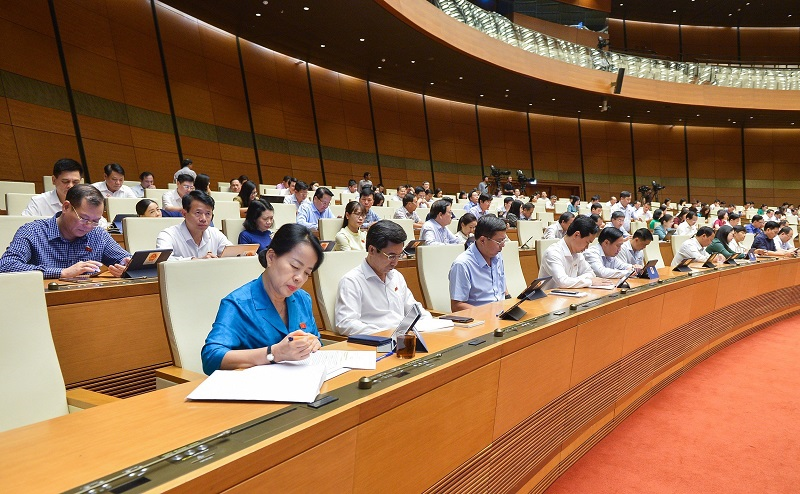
512	439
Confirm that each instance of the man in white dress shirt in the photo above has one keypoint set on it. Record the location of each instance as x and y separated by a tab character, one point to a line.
602	256
558	229
632	253
689	226
194	238
114	182
434	231
617	221
374	296
695	247
564	260
146	181
67	173
172	200
643	213
299	196
625	206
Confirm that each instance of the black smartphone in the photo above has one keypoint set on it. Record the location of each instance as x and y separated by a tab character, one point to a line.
460	319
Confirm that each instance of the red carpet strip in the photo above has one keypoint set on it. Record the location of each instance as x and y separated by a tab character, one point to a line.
730	425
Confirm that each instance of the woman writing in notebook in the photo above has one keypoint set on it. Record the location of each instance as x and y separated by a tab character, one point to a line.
270	319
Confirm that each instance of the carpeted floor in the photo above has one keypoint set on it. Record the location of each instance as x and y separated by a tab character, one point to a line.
730	425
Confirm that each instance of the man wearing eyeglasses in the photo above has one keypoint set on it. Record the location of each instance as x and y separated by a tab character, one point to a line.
173	199
69	244
374	296
194	238
477	276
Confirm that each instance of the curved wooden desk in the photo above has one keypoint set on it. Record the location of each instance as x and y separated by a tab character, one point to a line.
510	416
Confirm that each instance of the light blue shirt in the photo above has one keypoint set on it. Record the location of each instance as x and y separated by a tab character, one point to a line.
371	218
469	205
435	234
475	282
477	211
247	319
603	265
630	256
308	216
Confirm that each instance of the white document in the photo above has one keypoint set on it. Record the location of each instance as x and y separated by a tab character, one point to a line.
276	382
433	325
337	362
604	287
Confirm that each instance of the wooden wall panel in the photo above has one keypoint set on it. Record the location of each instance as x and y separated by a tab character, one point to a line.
454	145
715	163
607	158
660	156
545	151
709	42
504	136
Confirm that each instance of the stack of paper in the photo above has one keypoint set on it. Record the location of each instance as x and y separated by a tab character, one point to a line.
433	325
338	362
277	382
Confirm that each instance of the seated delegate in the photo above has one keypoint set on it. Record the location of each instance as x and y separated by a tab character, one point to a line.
374	296
434	231
69	244
695	247
351	236
257	224
564	259
148	208
602	256
270	319
194	237
720	243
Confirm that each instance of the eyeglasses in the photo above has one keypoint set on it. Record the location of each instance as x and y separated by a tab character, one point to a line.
84	221
188	187
501	243
391	257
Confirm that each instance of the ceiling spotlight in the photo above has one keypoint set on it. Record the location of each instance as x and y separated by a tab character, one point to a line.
322	46
380	67
553	99
507	90
530	104
674	11
413	61
305	8
361	39
460	78
481	96
265	2
258	15
431	84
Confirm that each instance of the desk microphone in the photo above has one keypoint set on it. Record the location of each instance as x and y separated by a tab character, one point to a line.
525	245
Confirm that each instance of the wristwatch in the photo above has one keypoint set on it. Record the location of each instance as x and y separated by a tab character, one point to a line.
270	356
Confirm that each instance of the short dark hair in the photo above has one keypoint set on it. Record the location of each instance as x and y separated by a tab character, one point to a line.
565	216
507	200
705	231
383	232
731	216
771	225
367	191
378	198
643	234
78	193
286	178
657	213
610	233
624	193
186	162
721	213
66	165
185	177
142	206
528	206
574	199
113	167
197	195
583	225
785	229
665	217
617	214
690	215
254	212
484	198
322	191
739	229
300	185
596	205
409	198
366	174
143	175
488	225
244	178
439	207
287	238
351	182
418	189
755	218
202	182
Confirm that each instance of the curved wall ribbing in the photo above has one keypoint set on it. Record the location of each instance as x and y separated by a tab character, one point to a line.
124	114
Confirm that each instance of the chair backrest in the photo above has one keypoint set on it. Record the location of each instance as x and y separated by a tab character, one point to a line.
337	209
232	228
224	210
329	227
131	183
141	233
529	230
16	202
224	186
326	281
346	196
9	226
635	225
542	245
515	278
677	241
560	207
748	240
189	312
172	185
20	187
383	212
653	252
269	190
155	194
539	207
32	386
47	180
393	203
408	226
433	269
284	213
223	196
122	205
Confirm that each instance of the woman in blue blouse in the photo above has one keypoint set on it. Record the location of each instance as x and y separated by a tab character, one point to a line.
574	204
270	319
257	223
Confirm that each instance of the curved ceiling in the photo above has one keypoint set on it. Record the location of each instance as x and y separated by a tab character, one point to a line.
730	13
363	39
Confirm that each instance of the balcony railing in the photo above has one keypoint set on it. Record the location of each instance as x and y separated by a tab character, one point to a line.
724	75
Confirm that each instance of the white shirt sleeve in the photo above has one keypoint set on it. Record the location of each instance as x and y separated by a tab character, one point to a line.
564	276
595	260
347	312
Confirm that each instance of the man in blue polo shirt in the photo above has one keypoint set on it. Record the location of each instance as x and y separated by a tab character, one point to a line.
477	276
309	213
69	244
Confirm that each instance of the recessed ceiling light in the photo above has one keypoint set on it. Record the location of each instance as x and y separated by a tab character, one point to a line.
322	46
505	95
530	104
380	67
265	2
729	15
361	39
413	61
751	117
553	99
460	78
431	84
305	8
507	90
698	115
629	116
648	111
733	122
481	96
258	15
674	10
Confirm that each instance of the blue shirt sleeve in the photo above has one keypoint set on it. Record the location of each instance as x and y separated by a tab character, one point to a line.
460	282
